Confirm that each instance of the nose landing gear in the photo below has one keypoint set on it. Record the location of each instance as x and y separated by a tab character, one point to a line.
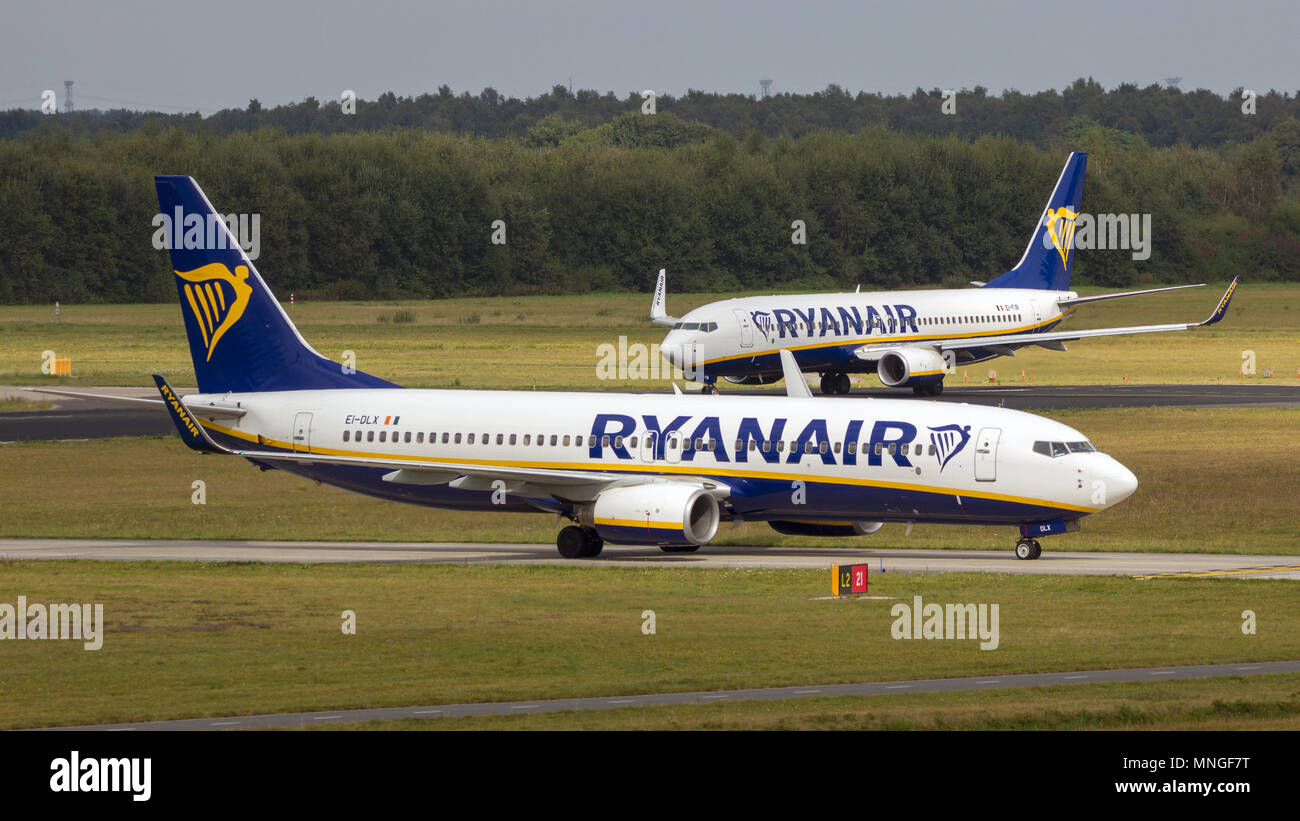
1028	549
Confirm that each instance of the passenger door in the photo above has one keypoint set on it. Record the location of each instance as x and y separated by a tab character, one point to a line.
746	328
302	433
986	454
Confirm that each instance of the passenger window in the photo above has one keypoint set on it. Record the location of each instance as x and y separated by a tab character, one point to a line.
892	449
513	437
345	435
767	447
419	438
780	446
370	436
879	448
444	438
852	447
528	438
458	438
631	443
407	437
618	441
383	435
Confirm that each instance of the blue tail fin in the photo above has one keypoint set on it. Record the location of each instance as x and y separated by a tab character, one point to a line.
1047	262
241	340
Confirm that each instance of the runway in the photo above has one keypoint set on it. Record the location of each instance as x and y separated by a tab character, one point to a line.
1151	565
90	419
877	688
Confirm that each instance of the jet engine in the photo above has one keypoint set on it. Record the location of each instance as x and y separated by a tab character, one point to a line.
902	367
658	513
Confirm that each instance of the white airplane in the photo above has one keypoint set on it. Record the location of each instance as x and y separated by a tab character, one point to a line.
908	338
661	470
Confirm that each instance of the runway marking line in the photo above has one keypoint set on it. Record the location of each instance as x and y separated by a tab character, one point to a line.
1230	571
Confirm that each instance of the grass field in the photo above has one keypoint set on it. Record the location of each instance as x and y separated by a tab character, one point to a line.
1212	480
189	640
1270	702
551	342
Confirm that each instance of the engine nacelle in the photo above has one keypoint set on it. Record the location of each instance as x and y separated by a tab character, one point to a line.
826	528
658	513
903	367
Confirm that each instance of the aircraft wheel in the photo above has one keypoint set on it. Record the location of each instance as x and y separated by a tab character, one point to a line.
842	384
710	389
572	542
828	384
1038	550
936	389
595	544
680	548
1025	549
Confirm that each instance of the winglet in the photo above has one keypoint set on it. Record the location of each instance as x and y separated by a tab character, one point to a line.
658	309
1222	311
192	433
794	384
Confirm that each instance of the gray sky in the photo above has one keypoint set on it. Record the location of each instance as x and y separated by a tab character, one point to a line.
175	56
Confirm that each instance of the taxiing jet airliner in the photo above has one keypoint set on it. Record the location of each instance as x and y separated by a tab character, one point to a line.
661	470
908	338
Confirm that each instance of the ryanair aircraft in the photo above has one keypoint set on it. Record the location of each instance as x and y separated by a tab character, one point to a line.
661	470
908	338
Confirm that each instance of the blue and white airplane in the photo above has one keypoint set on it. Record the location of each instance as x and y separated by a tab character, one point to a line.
907	338
661	470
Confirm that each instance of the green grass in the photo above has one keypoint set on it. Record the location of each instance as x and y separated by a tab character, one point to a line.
551	341
9	404
189	640
1267	702
1212	480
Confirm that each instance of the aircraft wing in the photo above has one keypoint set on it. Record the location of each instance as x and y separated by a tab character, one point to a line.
1083	300
658	305
563	484
1013	340
209	409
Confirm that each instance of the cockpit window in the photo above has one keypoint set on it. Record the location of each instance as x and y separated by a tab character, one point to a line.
696	326
1062	448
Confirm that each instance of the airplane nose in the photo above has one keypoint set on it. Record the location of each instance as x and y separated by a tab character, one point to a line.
671	349
1118	482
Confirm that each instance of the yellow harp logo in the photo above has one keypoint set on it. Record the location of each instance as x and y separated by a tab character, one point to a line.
217	298
1060	227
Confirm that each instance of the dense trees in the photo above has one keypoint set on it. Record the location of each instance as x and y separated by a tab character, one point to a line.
600	205
1161	116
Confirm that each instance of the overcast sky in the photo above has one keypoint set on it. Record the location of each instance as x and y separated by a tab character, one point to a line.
174	56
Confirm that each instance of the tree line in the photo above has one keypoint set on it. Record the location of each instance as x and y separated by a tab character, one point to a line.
1161	115
410	212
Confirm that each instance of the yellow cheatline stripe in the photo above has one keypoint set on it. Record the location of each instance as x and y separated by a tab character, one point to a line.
892	339
658	469
640	523
1231	571
198	315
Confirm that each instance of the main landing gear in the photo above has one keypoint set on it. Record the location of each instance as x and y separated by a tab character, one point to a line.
579	543
833	383
709	388
928	389
1028	549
